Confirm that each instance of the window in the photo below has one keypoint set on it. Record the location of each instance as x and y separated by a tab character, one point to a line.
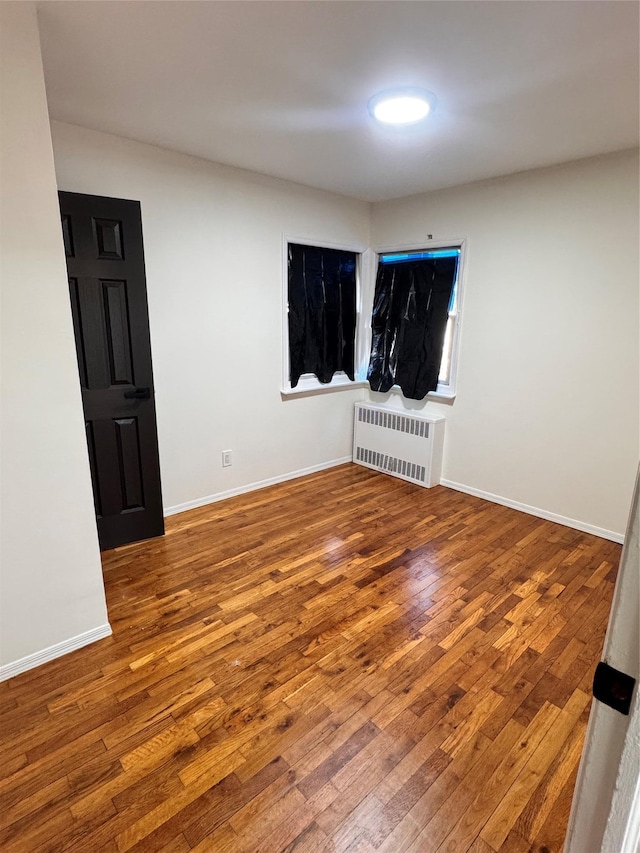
408	343
321	318
415	322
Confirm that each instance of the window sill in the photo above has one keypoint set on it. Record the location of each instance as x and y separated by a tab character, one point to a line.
435	396
308	387
444	396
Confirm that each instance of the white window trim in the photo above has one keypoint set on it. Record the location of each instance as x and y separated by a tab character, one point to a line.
446	393
309	384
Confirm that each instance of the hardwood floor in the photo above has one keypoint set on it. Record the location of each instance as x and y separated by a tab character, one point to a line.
345	662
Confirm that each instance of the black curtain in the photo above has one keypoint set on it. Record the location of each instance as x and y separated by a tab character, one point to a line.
408	324
322	312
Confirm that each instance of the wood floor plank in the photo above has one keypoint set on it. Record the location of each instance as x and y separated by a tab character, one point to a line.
345	662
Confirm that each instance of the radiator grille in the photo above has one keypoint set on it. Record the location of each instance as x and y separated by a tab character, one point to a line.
406	445
391	464
394	421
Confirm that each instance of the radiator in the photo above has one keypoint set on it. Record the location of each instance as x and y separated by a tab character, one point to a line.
404	445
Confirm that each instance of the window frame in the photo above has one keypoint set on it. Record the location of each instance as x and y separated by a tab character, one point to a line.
308	383
445	391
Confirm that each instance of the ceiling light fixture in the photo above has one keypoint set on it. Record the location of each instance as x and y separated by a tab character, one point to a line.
402	106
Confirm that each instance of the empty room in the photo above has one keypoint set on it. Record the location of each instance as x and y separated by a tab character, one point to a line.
320	426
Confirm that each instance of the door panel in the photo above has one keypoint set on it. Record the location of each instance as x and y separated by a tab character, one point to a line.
114	295
105	263
128	440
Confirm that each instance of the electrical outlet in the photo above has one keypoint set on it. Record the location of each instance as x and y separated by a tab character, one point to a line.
226	458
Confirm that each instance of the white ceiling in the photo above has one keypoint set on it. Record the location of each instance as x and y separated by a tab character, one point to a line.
282	87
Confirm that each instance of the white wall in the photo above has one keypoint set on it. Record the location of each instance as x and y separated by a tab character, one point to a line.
51	579
213	251
547	409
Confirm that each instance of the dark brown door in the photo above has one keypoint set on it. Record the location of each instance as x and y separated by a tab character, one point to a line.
105	263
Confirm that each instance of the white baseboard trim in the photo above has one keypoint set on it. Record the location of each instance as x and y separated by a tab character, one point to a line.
9	670
252	487
540	513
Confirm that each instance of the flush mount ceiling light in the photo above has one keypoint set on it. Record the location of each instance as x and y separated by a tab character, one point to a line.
402	106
